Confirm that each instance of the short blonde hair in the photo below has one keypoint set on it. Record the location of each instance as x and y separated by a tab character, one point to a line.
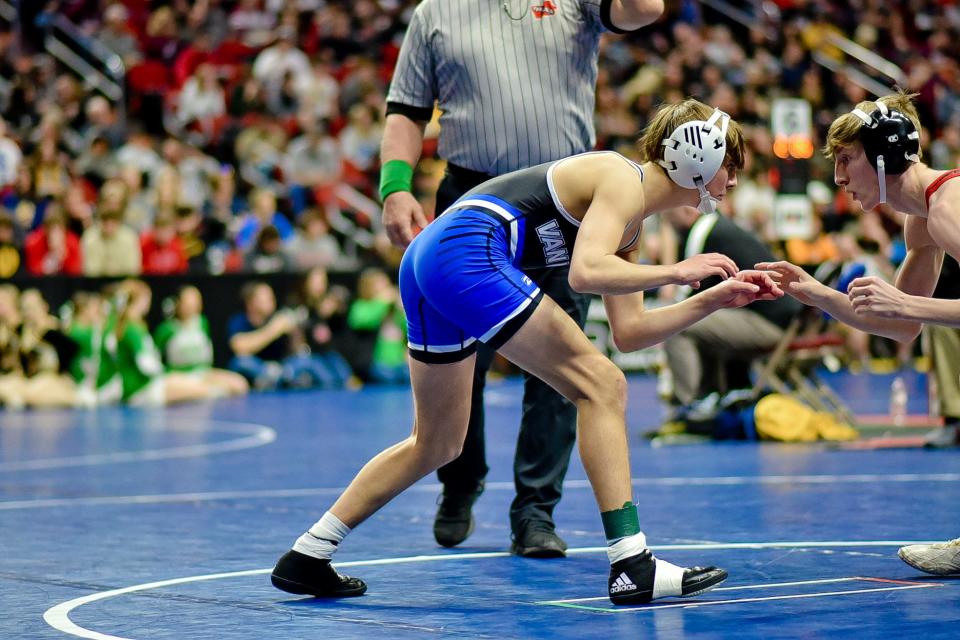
845	130
671	116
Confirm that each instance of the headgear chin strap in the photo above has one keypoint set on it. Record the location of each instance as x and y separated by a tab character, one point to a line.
694	153
890	140
707	204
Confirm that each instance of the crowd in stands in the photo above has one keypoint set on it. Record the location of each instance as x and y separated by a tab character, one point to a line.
248	141
99	350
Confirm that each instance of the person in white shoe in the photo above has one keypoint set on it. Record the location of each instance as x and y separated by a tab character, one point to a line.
940	558
463	280
876	153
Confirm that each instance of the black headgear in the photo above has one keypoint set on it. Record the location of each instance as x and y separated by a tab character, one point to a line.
890	140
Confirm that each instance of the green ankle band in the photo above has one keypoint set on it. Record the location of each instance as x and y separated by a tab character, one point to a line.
621	522
395	175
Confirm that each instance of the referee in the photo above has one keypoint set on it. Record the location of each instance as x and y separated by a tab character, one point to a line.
515	81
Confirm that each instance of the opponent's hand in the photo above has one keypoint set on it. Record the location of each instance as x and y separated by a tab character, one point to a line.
402	216
875	297
742	289
792	280
705	265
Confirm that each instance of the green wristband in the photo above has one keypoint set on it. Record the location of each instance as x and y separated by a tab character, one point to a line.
395	175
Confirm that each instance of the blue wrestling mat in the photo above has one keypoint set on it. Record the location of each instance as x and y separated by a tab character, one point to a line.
145	525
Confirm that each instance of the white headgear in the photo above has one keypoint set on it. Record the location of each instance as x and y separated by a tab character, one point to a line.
694	153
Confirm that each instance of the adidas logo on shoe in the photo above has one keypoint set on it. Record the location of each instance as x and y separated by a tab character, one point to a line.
642	578
622	583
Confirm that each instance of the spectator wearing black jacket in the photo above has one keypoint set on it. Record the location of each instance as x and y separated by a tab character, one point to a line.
714	354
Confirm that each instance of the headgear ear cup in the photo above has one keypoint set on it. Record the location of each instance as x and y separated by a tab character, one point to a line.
694	153
890	140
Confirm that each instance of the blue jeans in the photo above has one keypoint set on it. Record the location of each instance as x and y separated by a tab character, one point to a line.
330	369
301	371
389	374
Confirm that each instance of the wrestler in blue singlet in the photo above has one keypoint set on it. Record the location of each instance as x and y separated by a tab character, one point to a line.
462	278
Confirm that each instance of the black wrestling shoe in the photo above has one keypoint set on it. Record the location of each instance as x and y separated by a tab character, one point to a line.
632	579
305	575
538	539
454	521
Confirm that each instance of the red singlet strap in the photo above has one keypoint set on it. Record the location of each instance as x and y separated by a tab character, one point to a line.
939	181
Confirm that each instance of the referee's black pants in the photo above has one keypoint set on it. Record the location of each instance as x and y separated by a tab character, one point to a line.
549	422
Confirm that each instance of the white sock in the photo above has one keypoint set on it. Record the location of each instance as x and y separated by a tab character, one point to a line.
323	538
626	547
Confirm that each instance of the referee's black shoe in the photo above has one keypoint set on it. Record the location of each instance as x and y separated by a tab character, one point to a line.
537	539
632	580
305	575
454	521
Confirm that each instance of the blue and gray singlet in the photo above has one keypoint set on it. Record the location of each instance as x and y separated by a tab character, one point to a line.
463	278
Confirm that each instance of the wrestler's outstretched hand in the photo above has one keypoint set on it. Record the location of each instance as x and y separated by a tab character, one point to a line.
702	266
742	289
793	280
872	296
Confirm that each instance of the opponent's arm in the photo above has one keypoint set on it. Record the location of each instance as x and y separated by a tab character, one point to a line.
917	277
939	232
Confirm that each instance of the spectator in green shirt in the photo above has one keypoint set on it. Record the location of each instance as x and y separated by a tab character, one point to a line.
377	313
94	367
185	344
145	383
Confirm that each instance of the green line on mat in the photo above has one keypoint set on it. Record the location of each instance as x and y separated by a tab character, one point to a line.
551	603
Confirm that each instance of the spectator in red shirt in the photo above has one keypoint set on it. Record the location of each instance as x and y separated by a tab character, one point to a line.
161	248
162	42
195	54
52	248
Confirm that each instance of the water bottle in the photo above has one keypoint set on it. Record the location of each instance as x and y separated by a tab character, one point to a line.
898	401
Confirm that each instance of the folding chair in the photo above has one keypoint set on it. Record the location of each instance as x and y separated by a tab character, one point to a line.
791	367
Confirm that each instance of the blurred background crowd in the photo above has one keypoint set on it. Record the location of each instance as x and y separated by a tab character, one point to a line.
244	141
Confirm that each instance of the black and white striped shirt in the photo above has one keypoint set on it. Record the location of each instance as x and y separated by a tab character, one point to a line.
515	79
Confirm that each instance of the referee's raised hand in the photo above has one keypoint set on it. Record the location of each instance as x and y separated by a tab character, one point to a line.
403	217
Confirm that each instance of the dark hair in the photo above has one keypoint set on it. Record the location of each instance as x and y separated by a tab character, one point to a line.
249	289
268	234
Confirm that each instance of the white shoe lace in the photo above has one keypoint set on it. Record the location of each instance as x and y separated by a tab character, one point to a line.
945	545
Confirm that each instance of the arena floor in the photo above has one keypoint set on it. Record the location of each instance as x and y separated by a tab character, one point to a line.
148	525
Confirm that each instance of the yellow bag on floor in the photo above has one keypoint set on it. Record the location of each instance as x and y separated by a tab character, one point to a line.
785	419
829	429
781	418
